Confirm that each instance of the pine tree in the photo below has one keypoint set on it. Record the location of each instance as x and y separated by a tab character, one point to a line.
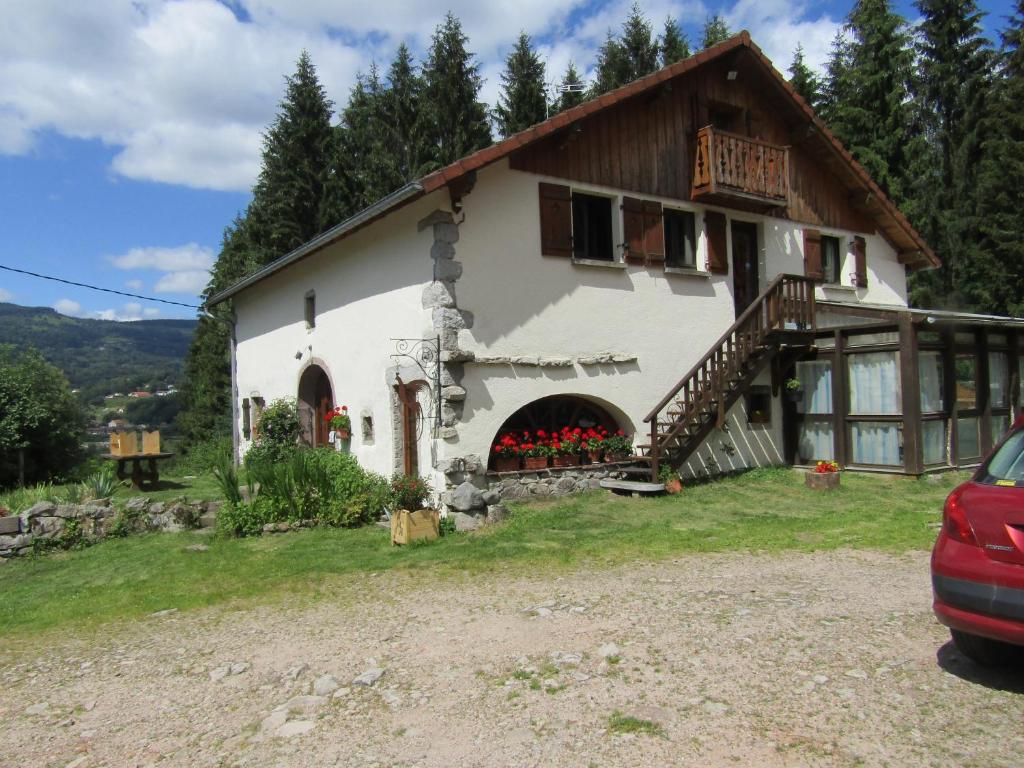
611	67
363	155
953	89
523	99
803	79
836	85
715	31
571	91
998	279
638	45
868	107
673	44
458	120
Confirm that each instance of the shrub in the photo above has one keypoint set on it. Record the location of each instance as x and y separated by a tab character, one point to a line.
409	491
226	475
101	484
277	431
200	458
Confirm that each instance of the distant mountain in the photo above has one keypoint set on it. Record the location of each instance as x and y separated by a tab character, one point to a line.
101	356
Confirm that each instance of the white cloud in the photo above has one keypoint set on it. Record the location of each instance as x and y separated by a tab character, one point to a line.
185	257
778	25
68	307
150	312
191	281
6	295
134	285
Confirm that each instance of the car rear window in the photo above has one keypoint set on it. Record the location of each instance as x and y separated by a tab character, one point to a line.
1006	466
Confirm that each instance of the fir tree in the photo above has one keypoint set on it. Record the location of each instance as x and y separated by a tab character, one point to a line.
715	31
523	99
673	44
363	156
803	79
639	47
458	120
953	88
835	87
403	122
611	66
571	91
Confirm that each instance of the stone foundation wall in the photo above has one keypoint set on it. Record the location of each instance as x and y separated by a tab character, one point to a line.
46	524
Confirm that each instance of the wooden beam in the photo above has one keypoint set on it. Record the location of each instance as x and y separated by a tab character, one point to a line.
913	447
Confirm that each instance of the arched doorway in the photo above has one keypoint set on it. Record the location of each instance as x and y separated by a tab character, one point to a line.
552	413
315	400
411	397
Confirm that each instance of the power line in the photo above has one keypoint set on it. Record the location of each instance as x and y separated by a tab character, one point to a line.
97	288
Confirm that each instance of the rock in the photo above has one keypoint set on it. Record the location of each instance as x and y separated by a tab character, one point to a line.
341	693
467	497
442	251
590	360
455	394
292	673
525	360
448	433
294	728
496	513
137	504
15	542
491	497
369	678
447	269
277	528
715	708
88	706
449	319
391	698
164	612
40	509
219	673
564	658
464	522
238	668
609	650
447	232
38	710
69	511
273	721
555	362
325	685
197	548
439	294
303	705
857	674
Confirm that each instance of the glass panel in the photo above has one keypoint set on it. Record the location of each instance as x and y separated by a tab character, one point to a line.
966	368
930	373
864	339
968	445
1000	424
928	336
830	259
933	436
997	339
874	383
1007	463
829	343
876	442
816	443
680	239
967	339
998	379
816	379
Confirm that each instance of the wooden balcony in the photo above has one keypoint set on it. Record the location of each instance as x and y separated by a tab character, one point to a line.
740	172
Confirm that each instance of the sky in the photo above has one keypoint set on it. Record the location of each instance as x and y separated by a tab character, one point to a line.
130	131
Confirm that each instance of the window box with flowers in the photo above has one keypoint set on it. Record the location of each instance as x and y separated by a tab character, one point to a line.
566	447
618	447
340	423
594	443
536	450
824	476
506	453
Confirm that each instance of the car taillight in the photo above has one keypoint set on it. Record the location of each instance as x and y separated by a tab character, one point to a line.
954	520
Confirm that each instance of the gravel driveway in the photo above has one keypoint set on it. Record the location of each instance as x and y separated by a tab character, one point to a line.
788	660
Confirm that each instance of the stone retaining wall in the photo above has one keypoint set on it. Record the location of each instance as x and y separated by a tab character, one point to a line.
46	524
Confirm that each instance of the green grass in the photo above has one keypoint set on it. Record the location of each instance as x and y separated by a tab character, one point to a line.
620	723
761	511
193	487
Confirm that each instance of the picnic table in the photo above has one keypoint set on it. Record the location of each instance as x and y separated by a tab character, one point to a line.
140	476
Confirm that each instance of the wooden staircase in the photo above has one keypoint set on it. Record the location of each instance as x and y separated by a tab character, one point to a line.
782	317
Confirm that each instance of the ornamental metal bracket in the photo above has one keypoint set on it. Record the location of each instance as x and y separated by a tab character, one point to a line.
425	354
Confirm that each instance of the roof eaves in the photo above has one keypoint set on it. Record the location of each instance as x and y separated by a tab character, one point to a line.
363	217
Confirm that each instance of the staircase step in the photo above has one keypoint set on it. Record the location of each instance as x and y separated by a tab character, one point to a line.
632	486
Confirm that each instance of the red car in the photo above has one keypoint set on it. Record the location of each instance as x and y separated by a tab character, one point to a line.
978	559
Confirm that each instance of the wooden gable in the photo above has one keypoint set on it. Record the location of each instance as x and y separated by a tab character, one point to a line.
648	144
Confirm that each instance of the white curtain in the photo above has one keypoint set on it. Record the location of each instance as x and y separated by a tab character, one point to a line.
933	435
876	442
998	379
874	383
930	372
816	442
999	426
968	445
816	380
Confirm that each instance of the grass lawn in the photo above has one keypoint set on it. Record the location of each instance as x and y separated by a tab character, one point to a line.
193	487
761	511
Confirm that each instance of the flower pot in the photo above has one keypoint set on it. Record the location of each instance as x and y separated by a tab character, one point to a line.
506	463
795	395
342	434
566	461
673	486
535	462
822	481
621	456
594	457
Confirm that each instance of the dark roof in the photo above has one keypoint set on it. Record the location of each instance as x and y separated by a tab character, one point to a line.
913	250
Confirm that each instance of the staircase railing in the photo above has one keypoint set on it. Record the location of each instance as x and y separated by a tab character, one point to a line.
786	304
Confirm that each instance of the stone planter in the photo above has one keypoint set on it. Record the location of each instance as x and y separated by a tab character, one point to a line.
535	462
566	461
506	463
822	481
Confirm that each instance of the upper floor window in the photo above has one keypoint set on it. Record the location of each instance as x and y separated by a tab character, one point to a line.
680	239
592	227
830	259
310	308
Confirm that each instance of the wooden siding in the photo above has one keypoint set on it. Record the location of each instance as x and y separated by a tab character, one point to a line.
647	145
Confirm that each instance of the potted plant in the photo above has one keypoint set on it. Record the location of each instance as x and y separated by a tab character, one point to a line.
340	422
535	452
824	476
670	479
594	443
506	454
410	521
794	390
618	447
566	445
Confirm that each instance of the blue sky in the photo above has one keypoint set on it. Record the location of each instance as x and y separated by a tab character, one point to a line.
130	131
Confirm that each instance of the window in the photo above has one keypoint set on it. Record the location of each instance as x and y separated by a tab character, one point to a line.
680	239
830	259
816	438
874	380
592	227
931	384
367	424
246	420
311	309
966	382
759	405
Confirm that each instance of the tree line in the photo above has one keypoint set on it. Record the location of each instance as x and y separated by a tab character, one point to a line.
931	112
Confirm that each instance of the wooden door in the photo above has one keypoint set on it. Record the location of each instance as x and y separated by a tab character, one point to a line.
324	402
745	276
407	396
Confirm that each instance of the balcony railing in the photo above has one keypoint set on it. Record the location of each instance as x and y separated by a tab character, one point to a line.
731	166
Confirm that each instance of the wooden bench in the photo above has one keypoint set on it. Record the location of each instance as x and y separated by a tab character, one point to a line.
633	487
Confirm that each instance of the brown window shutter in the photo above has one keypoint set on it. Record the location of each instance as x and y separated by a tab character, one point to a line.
812	255
654	233
555	220
633	229
860	261
718	254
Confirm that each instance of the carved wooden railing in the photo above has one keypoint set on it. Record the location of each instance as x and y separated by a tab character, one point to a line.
786	304
729	164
